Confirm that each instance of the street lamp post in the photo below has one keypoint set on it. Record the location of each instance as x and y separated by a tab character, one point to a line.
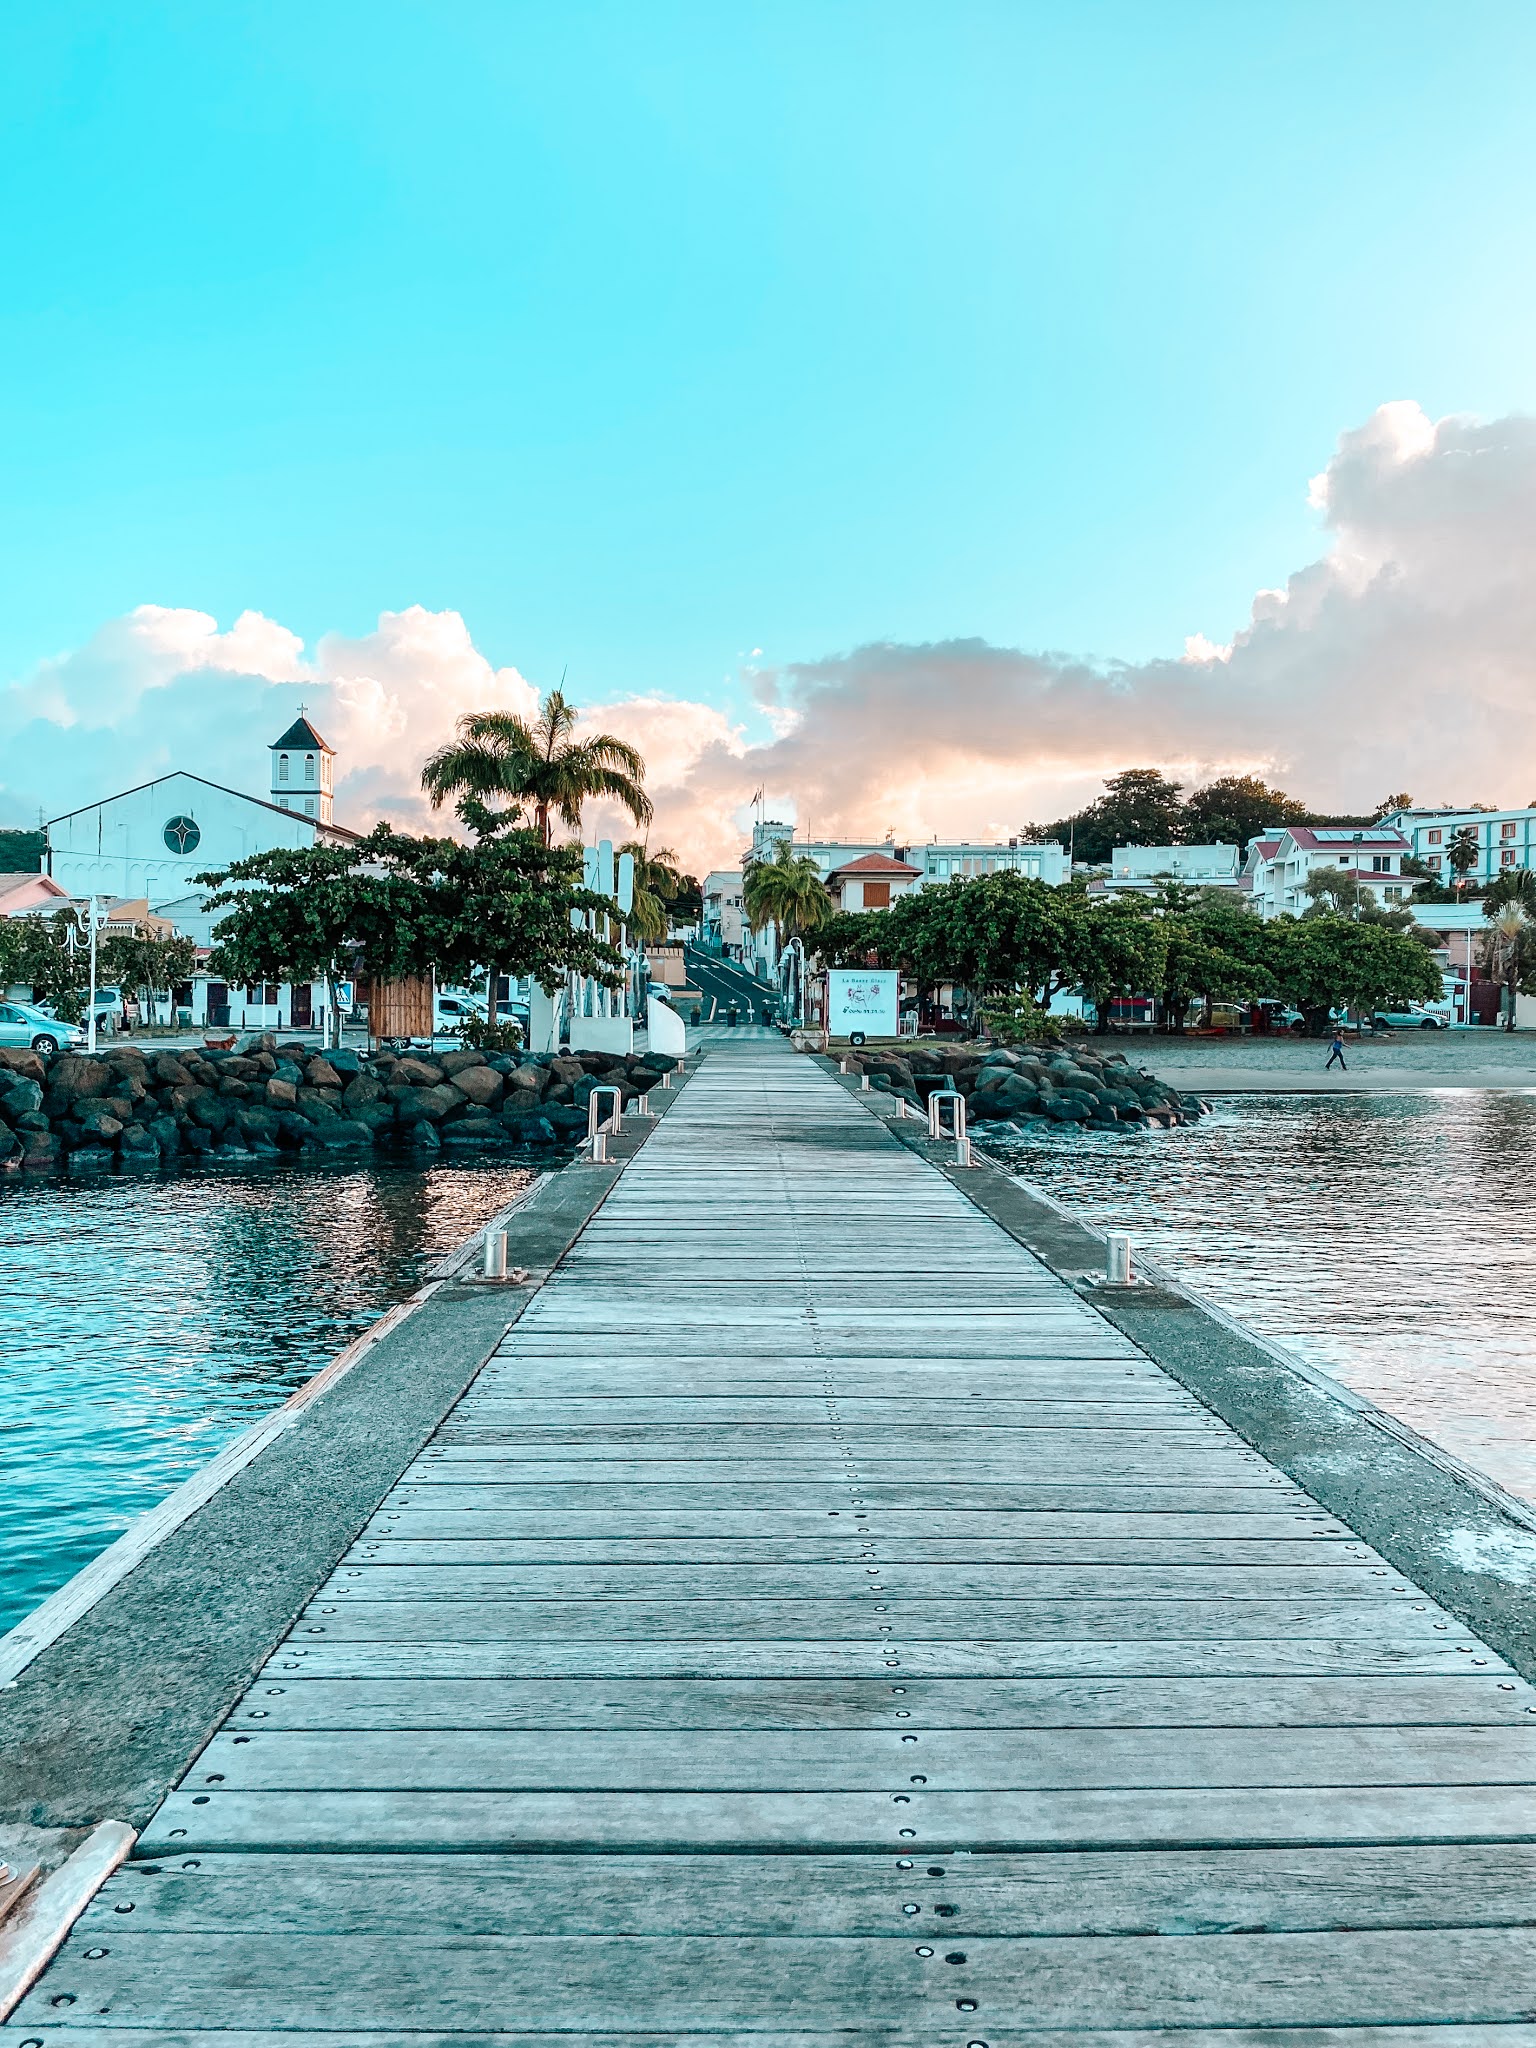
92	922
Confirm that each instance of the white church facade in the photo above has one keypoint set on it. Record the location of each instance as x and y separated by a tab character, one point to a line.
148	843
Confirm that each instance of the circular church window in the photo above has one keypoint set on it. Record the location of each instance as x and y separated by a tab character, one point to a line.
182	834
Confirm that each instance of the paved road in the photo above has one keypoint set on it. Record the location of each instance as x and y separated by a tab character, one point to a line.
818	1623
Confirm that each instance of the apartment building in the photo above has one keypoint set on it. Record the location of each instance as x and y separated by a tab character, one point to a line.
1505	839
1280	864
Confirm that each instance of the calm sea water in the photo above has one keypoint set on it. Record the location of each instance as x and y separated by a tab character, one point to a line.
1390	1239
143	1324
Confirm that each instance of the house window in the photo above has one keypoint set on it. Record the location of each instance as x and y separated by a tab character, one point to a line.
1433	862
283	803
1393	895
1507	857
1381	863
1436	836
282	767
309	767
877	895
309	805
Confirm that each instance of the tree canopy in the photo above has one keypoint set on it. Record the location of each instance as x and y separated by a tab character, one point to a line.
393	905
538	772
1006	934
787	892
1140	806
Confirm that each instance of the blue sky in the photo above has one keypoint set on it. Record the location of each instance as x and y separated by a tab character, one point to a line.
645	336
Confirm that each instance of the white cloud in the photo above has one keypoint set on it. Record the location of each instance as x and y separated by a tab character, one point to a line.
1402	657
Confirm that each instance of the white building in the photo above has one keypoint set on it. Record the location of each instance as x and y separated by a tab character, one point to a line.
150	841
723	921
1281	862
873	882
1140	870
951	860
1505	839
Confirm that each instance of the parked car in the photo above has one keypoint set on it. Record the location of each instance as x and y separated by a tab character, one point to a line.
452	1010
24	1024
1415	1017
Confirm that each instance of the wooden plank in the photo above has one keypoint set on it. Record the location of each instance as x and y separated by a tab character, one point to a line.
591	1984
1080	1537
1040	1496
367	1579
308	1701
1167	1893
531	1822
802	1759
951	1658
904	1621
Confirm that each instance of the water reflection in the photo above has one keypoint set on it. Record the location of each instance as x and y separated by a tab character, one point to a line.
1390	1239
142	1324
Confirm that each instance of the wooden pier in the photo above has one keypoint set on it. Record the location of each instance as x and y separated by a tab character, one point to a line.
818	1622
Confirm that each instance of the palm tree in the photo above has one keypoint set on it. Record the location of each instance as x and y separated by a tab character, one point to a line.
1509	950
539	768
657	878
786	892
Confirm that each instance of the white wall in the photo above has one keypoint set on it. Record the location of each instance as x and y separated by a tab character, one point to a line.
118	847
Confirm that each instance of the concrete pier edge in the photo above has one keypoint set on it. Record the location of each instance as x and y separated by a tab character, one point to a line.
103	1719
1452	1530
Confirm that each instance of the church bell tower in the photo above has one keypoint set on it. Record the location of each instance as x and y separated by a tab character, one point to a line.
302	771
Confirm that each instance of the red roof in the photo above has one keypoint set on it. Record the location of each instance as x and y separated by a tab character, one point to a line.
875	864
1340	839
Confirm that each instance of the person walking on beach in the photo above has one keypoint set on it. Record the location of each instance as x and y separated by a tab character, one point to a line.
1336	1052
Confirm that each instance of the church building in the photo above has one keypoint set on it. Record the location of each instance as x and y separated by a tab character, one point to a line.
150	841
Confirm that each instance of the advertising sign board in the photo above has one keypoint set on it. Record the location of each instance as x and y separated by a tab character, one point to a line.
861	1001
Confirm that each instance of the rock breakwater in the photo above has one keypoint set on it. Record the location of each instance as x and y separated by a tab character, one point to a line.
1028	1085
126	1108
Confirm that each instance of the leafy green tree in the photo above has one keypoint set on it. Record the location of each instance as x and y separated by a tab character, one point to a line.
855	938
786	892
146	963
21	853
1327	962
1194	967
1401	802
35	951
392	905
1336	891
1508	948
1236	808
540	770
1120	948
1139	807
1511	885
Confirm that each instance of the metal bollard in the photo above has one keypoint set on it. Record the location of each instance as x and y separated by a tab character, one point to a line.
1117	1258
843	1067
495	1255
599	1143
936	1103
643	1105
863	1084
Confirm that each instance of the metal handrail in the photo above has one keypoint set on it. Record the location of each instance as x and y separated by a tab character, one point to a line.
598	1125
936	1130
